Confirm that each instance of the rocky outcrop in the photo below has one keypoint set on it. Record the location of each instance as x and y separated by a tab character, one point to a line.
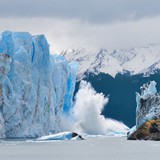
148	131
147	114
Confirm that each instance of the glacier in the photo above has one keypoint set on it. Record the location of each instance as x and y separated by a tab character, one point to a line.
148	104
147	114
36	88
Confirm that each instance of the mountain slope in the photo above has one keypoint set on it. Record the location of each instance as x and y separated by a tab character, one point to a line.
135	60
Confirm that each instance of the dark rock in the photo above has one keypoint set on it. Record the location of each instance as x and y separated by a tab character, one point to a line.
148	131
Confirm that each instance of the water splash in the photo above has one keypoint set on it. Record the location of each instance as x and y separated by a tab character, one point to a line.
87	113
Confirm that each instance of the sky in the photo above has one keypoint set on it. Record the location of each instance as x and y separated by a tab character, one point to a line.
89	24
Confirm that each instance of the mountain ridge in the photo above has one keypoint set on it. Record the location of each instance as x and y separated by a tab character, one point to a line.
134	60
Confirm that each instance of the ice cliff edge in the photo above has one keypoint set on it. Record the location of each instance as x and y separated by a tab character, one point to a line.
35	87
147	114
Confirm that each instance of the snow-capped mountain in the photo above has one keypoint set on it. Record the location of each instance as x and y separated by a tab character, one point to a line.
135	60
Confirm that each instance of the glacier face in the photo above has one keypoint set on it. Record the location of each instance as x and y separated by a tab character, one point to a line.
148	104
134	60
147	114
35	87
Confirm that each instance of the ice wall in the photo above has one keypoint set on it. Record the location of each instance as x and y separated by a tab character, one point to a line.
148	104
34	86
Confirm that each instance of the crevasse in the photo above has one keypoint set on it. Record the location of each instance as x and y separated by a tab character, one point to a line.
35	87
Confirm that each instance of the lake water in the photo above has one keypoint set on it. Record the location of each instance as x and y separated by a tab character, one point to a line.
102	148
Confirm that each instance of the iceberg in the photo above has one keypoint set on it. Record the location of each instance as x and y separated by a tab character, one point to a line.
36	88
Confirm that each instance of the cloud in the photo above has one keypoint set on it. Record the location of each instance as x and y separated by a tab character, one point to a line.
65	34
88	24
101	11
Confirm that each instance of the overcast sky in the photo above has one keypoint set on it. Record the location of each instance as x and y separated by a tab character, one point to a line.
91	24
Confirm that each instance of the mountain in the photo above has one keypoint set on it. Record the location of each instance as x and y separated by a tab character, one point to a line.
118	74
36	88
135	60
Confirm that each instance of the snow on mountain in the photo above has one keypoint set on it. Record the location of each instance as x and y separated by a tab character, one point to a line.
35	87
135	60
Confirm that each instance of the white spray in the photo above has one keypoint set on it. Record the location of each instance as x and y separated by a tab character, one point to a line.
87	116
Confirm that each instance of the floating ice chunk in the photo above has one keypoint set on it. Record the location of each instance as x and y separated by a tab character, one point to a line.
61	136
